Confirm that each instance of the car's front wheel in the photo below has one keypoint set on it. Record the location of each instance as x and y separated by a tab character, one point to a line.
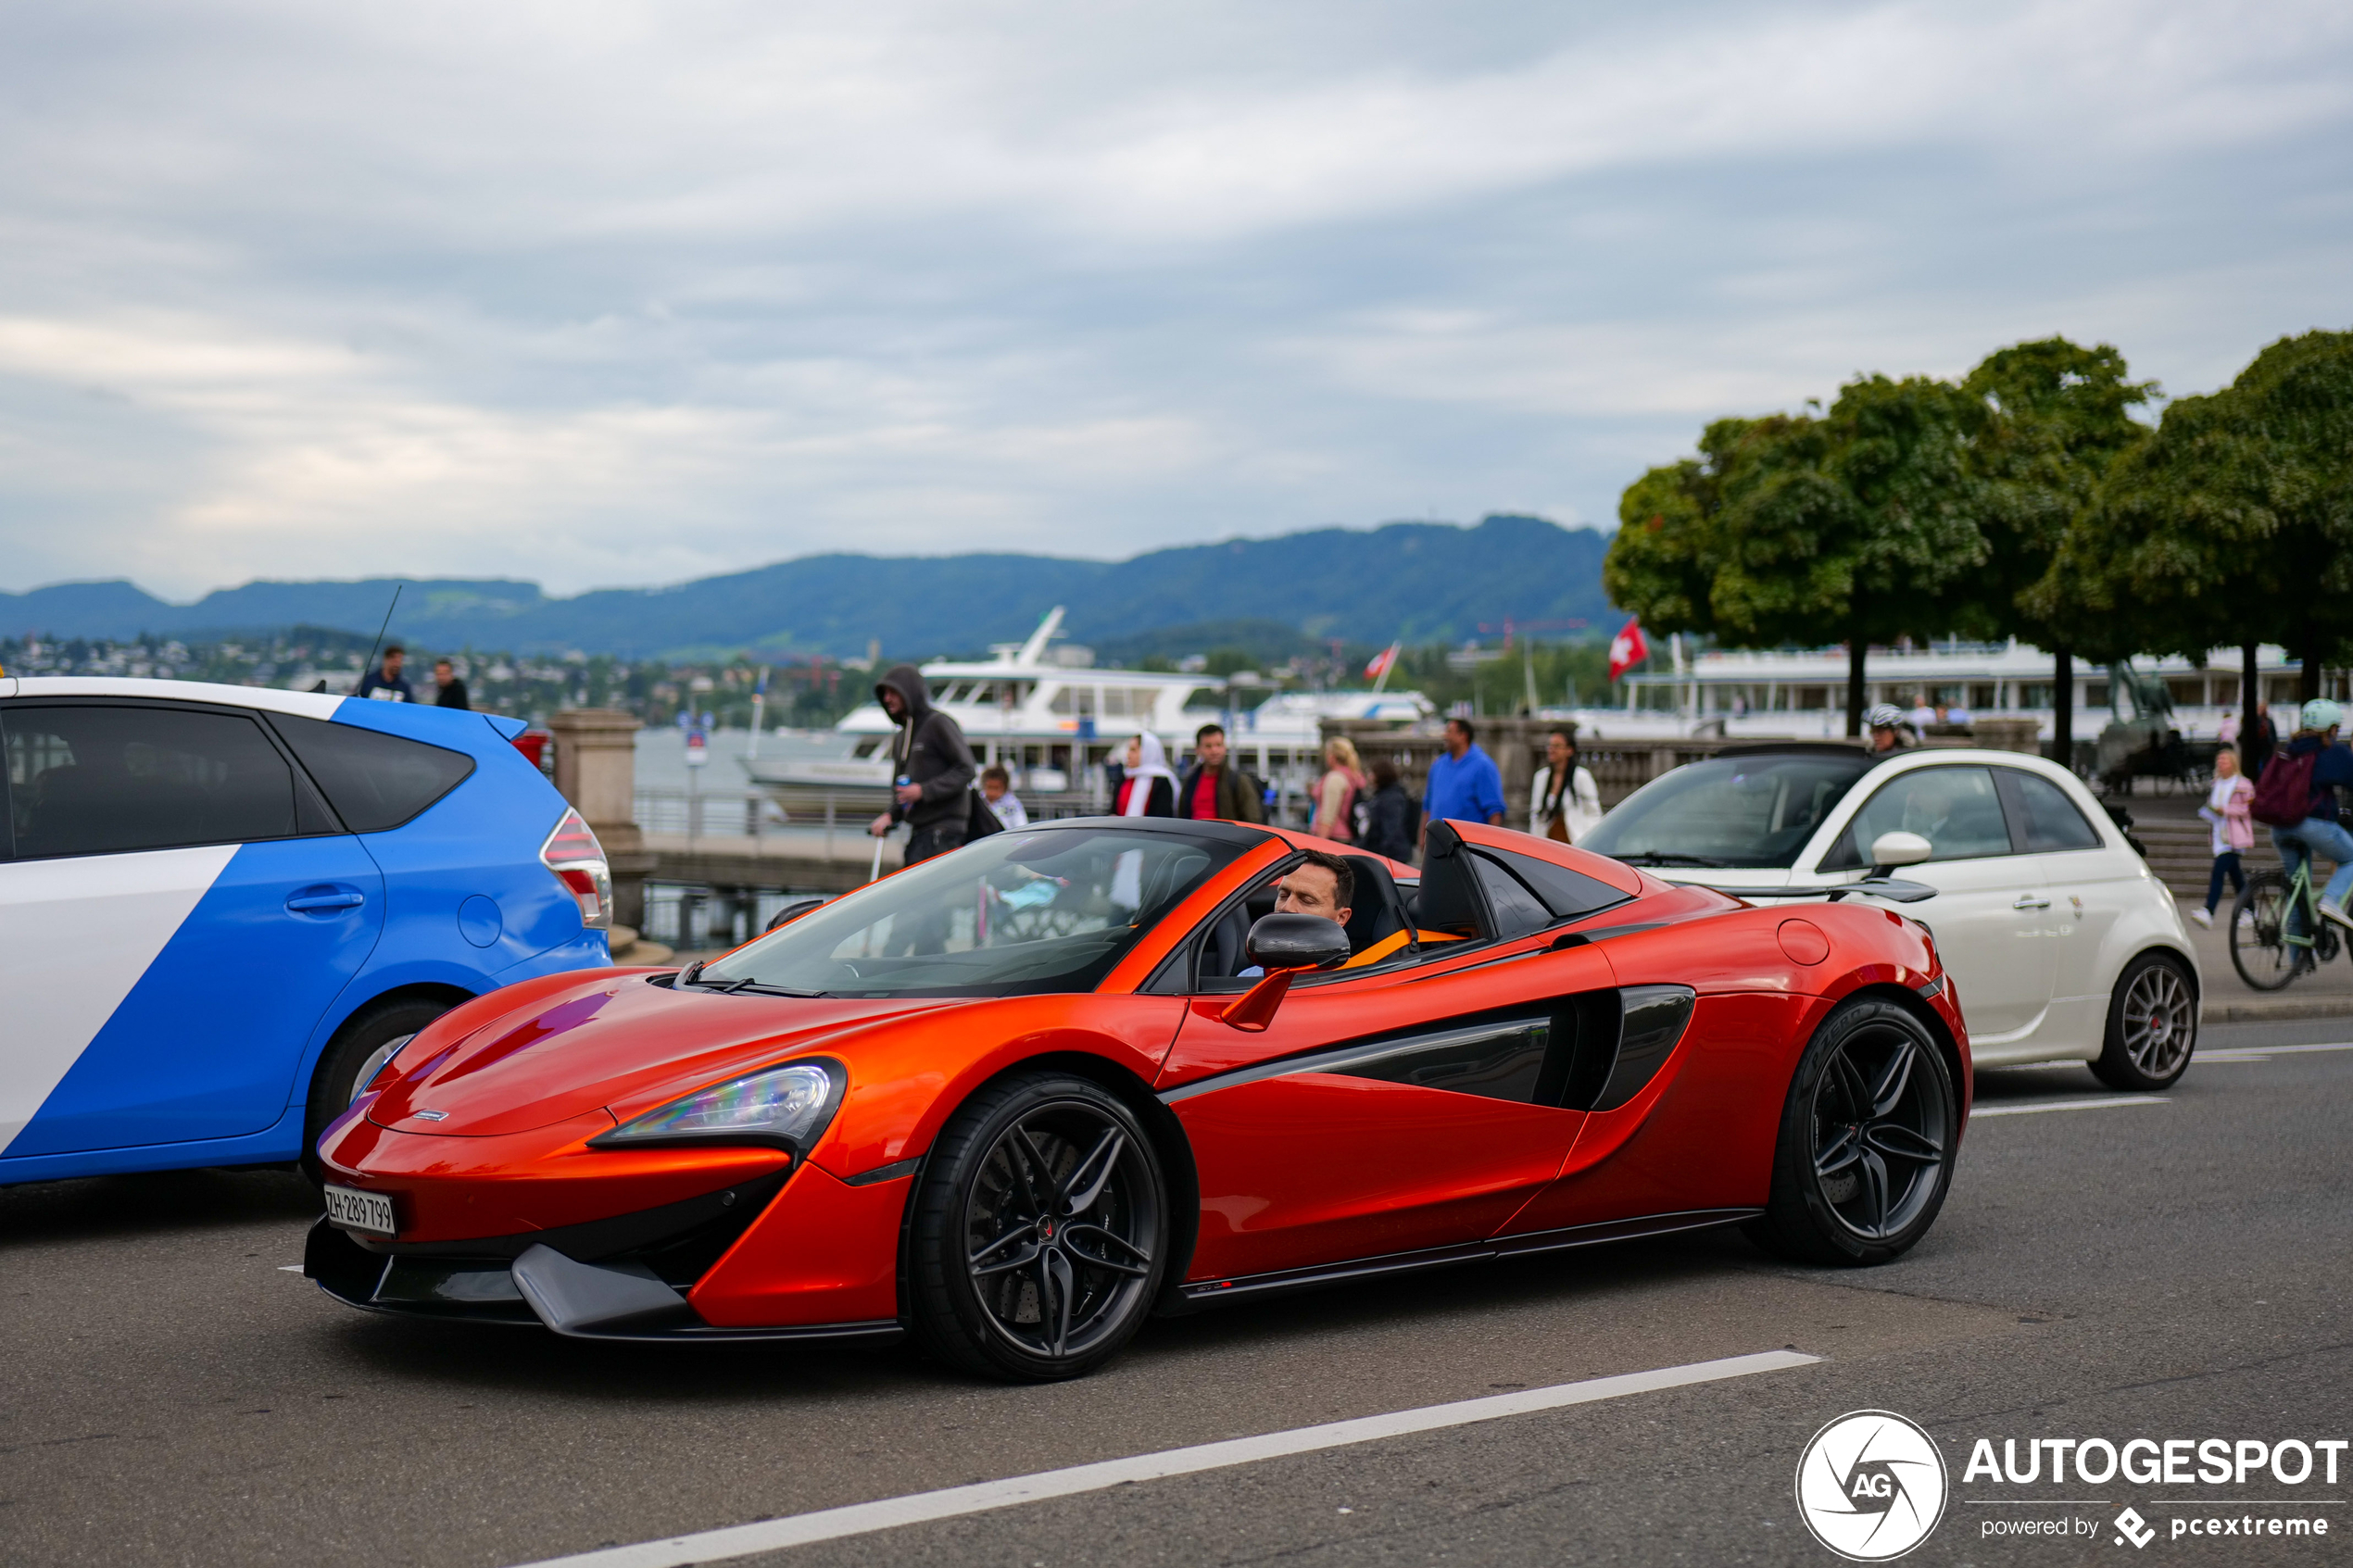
1866	1148
2152	1024
1040	1232
362	1046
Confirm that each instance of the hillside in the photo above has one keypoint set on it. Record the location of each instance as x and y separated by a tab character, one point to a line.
1422	581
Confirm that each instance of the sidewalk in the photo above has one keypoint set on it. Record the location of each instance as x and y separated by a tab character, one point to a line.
2229	999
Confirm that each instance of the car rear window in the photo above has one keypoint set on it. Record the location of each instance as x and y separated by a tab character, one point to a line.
374	781
108	780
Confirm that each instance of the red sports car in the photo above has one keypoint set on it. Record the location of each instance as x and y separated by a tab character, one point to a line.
1013	1100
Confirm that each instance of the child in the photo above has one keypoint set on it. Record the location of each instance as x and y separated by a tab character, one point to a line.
996	787
2226	807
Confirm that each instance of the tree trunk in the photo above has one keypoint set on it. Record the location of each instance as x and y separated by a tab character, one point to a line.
2063	709
1857	651
2250	697
2308	682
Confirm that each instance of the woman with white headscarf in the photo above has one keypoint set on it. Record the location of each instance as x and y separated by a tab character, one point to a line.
1149	788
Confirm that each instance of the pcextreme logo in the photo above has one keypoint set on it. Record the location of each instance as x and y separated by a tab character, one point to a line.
1870	1486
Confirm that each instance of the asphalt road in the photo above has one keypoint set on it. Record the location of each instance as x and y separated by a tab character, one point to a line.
170	1394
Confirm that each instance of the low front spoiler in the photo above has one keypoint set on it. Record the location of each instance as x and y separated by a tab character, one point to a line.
541	1287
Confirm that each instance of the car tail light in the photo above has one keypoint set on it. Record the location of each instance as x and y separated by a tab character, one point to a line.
578	861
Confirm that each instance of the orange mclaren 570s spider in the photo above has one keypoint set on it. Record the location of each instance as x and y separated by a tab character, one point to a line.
1013	1100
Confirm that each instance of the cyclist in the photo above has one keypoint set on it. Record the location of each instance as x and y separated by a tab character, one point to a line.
1889	730
2321	833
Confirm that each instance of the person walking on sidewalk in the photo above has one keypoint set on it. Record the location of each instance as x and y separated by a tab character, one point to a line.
2225	808
1338	791
1464	783
935	769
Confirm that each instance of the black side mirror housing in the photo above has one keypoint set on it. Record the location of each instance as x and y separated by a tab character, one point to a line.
1297	942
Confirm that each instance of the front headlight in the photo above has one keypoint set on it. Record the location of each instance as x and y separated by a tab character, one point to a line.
785	1107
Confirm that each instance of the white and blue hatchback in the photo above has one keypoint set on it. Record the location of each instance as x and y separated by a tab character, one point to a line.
219	904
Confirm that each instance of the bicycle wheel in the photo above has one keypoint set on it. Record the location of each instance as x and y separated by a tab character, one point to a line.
2260	949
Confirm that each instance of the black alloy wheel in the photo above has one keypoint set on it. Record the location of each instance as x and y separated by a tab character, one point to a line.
2152	1024
1041	1231
357	1049
1866	1148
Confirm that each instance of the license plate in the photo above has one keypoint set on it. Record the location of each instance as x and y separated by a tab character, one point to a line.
357	1210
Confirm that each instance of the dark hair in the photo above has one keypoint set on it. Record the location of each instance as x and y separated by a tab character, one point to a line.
1384	772
1567	735
395	648
1207	730
441	660
1343	876
1469	731
997	770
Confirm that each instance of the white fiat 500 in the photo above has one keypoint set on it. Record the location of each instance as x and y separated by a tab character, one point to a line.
2061	942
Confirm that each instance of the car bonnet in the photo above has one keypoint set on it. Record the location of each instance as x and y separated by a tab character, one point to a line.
605	1042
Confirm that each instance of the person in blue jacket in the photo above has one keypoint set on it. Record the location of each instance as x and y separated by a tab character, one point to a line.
385	682
1465	785
2321	832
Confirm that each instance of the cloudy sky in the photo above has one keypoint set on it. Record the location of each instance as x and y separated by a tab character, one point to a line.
614	294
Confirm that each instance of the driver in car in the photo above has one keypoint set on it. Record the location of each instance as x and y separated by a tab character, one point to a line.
1324	884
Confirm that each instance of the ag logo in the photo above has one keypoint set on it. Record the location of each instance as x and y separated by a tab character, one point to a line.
1870	1486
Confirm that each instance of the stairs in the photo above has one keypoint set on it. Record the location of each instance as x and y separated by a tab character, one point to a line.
2180	847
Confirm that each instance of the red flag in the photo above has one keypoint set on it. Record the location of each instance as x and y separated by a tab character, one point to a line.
1383	662
1628	649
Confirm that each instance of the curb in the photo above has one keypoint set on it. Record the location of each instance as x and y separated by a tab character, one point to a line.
2269	1010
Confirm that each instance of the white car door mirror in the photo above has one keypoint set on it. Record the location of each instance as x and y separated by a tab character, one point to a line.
1892	849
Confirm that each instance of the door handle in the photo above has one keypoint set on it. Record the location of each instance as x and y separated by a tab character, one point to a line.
325	900
2030	901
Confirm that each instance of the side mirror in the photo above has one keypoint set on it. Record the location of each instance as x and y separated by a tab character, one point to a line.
1304	941
1283	945
1890	850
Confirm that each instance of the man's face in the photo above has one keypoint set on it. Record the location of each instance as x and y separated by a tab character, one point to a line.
1881	739
1210	749
442	672
393	661
893	704
1457	740
1310	890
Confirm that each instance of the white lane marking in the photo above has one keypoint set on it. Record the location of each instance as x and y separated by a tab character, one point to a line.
75	936
833	1523
2265	1053
2070	1105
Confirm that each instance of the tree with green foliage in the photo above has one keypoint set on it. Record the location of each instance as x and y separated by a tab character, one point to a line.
1857	525
2232	523
2049	418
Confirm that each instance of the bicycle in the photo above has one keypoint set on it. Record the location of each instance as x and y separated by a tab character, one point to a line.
2266	952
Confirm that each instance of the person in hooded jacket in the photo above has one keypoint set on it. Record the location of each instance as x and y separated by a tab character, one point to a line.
933	764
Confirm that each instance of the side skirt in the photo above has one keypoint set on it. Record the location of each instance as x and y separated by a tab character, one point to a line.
1258	1286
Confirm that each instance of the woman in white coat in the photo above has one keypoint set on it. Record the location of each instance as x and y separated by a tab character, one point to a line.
1563	802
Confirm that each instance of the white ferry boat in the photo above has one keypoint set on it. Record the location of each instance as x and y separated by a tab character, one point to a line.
1054	725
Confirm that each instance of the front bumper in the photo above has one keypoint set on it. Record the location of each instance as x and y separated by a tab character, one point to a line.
784	1255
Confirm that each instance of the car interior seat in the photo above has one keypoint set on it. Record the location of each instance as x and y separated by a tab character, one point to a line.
1377	911
1449	898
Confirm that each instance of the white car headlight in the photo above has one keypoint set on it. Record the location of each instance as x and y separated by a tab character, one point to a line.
785	1107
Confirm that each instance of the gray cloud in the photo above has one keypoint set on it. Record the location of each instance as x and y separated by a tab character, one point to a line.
626	294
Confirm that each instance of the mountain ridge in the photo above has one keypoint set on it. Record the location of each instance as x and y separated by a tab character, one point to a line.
1421	581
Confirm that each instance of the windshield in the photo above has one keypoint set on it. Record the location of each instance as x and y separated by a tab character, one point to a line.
1727	811
1014	914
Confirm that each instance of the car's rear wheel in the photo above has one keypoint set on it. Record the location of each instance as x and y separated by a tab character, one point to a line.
2152	1024
1866	1148
363	1045
1040	1232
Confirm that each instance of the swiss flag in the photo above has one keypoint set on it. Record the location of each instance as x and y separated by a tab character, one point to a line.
1628	649
1383	662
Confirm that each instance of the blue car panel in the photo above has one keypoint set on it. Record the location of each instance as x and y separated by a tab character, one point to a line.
182	1021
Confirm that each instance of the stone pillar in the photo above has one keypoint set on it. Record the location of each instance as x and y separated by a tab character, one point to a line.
597	771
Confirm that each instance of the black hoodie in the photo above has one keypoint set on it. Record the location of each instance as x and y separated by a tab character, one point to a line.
928	750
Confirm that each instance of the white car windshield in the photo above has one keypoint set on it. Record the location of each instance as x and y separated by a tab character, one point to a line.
1755	810
1047	909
